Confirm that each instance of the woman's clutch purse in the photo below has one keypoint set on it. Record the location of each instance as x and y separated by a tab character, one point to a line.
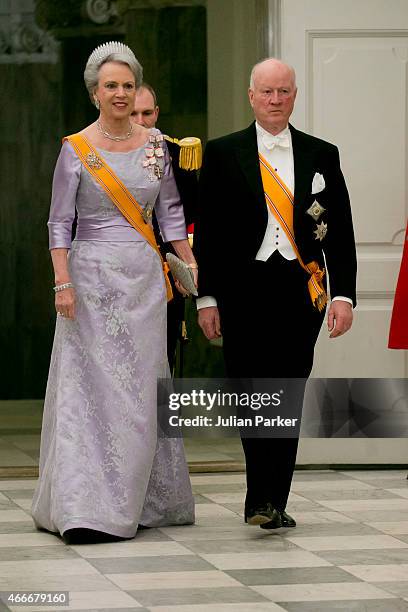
181	272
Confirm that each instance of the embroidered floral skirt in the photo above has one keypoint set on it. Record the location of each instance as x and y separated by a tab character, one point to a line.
102	465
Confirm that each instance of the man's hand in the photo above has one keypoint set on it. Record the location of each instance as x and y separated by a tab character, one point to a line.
209	321
340	318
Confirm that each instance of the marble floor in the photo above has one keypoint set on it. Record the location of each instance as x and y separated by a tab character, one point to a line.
20	432
20	452
349	552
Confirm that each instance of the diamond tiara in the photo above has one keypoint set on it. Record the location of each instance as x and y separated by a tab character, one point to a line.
103	51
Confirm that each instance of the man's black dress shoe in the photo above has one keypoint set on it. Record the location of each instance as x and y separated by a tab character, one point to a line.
262	515
285	520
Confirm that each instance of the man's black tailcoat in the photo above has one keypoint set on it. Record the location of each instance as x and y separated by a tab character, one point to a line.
268	322
233	216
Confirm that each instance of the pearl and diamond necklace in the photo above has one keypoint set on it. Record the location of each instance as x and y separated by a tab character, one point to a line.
116	138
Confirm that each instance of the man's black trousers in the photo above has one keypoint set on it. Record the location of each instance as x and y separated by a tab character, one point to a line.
269	328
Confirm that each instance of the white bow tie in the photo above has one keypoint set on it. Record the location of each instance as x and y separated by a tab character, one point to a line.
270	141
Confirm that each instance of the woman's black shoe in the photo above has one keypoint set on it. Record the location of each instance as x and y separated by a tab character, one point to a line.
89	536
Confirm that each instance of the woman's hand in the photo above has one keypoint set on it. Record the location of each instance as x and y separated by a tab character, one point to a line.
65	298
195	277
183	250
180	287
65	303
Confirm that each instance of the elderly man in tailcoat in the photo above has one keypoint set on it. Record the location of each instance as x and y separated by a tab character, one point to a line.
274	221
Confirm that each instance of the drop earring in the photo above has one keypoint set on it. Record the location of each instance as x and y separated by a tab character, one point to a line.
96	101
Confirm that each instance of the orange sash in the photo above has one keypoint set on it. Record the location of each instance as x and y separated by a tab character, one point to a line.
280	202
120	196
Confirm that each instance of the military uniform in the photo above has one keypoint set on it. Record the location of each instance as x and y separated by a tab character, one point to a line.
186	160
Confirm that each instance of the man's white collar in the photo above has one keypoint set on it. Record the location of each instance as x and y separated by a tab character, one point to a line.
261	131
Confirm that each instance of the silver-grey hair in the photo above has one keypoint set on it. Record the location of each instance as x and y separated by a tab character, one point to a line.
266	59
91	73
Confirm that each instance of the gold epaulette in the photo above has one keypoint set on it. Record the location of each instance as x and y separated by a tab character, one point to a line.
190	152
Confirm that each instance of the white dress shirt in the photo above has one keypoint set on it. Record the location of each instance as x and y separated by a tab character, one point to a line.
281	160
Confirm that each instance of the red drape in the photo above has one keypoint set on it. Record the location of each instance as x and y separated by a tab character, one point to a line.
399	321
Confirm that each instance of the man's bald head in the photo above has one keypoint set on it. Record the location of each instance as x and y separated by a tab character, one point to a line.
272	93
269	64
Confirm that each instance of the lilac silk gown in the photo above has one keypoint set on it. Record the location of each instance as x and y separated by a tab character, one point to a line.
102	464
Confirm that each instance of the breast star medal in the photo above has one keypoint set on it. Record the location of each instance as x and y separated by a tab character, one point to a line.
147	213
94	161
315	210
320	231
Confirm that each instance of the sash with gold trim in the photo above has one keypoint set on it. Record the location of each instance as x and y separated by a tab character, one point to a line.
280	202
118	193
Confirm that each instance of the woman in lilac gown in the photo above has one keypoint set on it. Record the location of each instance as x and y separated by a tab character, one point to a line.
103	468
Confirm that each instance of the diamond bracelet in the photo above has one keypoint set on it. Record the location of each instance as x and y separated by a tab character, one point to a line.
62	287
